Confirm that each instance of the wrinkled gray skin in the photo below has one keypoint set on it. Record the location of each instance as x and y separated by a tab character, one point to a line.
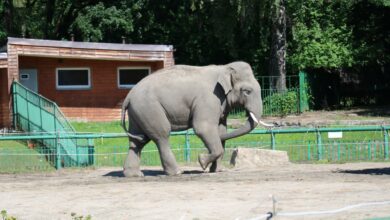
182	97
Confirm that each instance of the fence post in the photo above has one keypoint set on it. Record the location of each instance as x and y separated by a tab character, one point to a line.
58	152
319	144
40	112
55	118
385	142
338	151
187	147
91	152
28	112
303	105
15	108
273	143
369	150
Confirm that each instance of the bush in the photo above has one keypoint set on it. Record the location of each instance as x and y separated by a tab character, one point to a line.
283	103
5	216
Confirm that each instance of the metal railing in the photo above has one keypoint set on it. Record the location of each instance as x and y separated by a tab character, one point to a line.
267	82
370	143
36	114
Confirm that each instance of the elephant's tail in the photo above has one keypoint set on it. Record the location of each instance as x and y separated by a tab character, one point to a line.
125	107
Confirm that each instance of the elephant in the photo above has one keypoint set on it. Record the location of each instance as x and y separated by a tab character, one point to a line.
181	97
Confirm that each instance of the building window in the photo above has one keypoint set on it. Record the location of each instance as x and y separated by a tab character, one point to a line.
129	76
73	78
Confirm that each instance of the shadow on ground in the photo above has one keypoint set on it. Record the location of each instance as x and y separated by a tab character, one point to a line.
151	173
374	171
376	111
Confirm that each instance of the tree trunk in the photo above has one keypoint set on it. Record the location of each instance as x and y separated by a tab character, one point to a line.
277	65
8	17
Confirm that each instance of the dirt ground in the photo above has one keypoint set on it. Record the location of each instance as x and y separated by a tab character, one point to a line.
359	116
368	115
233	194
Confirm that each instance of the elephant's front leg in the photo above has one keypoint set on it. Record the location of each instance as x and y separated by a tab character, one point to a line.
217	166
210	137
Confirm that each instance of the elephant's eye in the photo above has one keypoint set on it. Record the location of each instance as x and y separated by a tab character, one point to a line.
246	92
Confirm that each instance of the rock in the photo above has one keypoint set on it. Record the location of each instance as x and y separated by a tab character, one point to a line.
255	158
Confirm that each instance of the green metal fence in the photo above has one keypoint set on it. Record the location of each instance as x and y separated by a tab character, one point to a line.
304	91
36	114
369	143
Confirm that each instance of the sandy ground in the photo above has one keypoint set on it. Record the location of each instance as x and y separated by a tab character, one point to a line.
359	116
234	194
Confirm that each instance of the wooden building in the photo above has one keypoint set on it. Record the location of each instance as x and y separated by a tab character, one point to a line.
88	81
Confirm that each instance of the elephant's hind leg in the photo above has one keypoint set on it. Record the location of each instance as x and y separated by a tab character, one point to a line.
131	167
157	126
168	160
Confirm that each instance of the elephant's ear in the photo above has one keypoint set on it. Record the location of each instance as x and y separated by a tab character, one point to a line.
225	80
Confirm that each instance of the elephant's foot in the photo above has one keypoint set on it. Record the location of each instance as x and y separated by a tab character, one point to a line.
175	172
217	167
132	173
203	161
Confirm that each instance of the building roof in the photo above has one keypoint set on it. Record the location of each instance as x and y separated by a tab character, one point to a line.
89	45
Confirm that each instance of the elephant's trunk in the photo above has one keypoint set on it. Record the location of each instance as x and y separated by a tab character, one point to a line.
249	125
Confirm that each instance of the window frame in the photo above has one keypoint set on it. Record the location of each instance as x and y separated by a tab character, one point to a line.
73	87
129	86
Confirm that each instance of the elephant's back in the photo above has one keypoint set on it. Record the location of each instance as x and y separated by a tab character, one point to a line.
177	81
184	74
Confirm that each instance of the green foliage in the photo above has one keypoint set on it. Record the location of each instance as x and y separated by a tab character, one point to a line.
97	23
5	216
321	37
284	102
371	35
80	217
345	36
3	33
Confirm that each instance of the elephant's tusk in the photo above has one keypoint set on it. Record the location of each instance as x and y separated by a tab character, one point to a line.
265	124
253	117
258	121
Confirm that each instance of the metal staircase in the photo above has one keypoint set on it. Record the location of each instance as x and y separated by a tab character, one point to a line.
38	115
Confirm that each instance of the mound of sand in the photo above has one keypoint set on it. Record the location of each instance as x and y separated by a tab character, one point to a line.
254	158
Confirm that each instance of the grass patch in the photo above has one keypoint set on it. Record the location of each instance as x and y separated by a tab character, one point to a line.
16	157
353	146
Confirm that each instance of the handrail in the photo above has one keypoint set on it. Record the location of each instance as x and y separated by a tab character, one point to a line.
189	132
51	120
56	108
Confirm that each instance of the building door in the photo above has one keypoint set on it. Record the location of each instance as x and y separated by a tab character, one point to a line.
29	78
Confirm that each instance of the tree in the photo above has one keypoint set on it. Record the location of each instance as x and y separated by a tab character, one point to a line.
321	36
3	31
277	66
96	23
371	35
